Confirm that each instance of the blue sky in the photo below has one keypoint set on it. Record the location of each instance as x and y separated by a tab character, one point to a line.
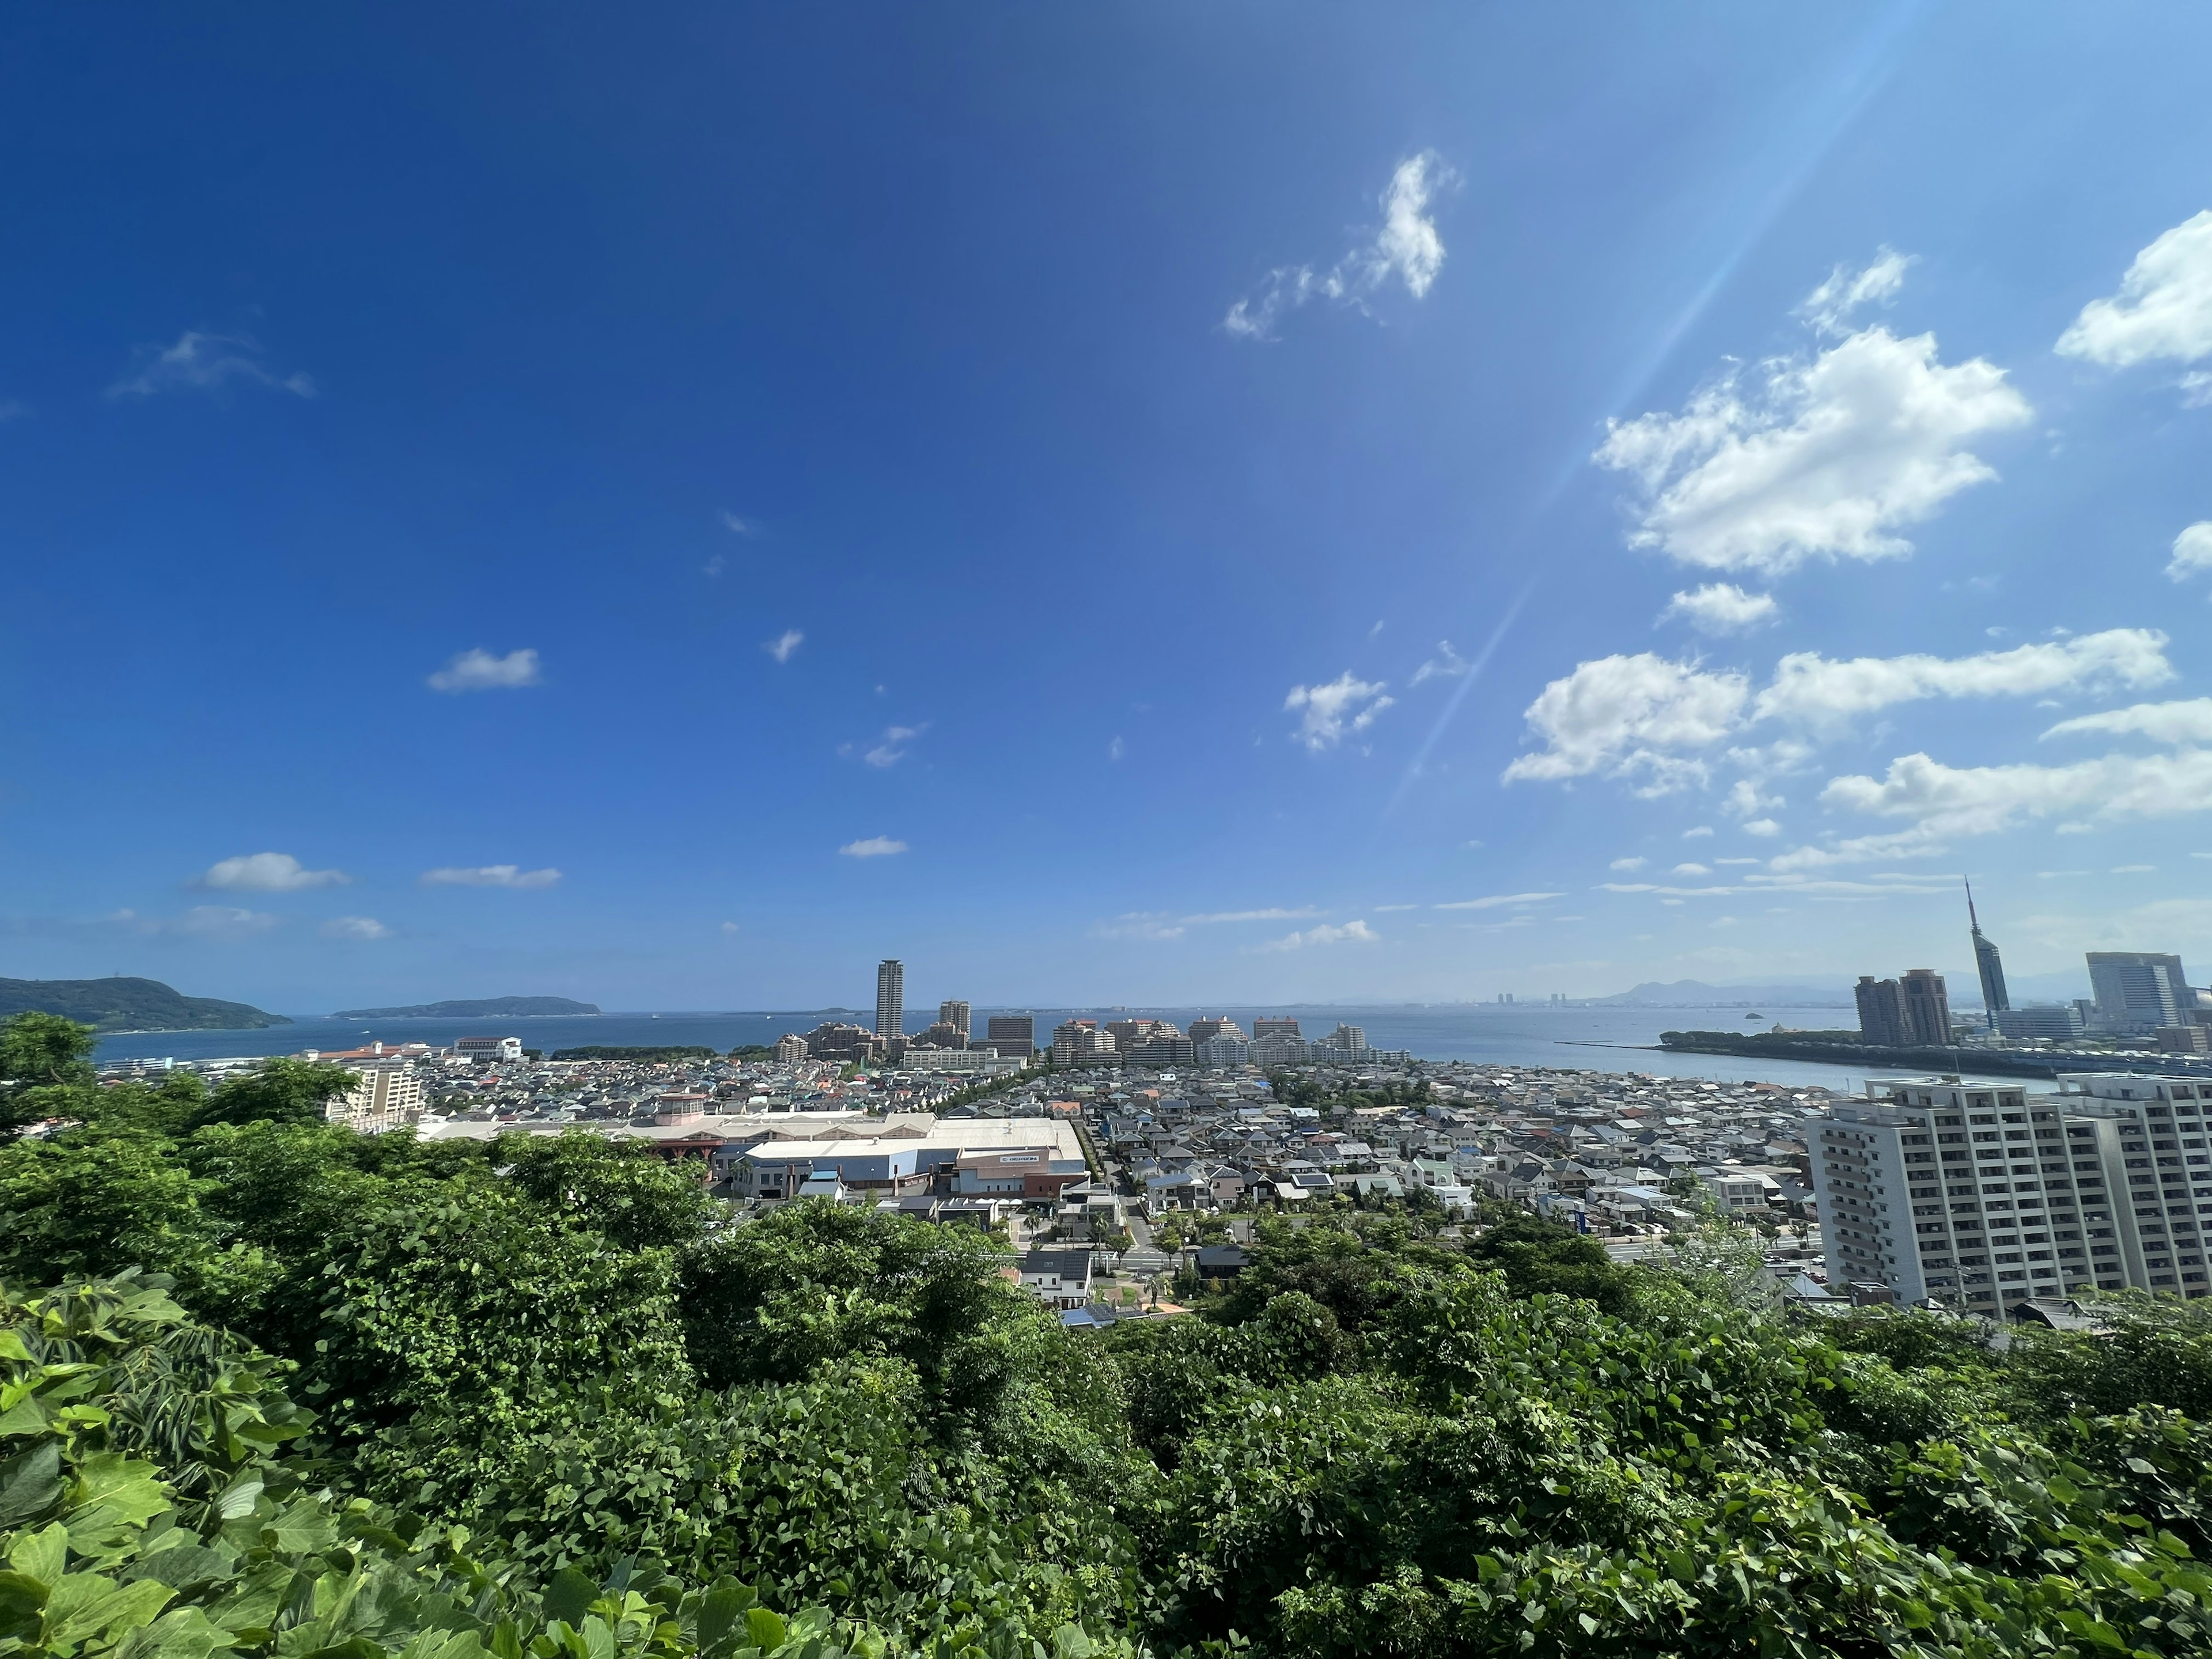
1142	504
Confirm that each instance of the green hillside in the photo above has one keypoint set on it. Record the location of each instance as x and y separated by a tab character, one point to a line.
130	1005
480	1008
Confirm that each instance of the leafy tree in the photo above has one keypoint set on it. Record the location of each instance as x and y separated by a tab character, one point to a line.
46	1068
621	1189
1542	1258
275	1092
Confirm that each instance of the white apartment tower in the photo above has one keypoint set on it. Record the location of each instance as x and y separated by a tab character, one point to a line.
383	1097
1980	1195
890	999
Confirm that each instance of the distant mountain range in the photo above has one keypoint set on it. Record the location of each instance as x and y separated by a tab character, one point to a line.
1696	993
479	1008
130	1005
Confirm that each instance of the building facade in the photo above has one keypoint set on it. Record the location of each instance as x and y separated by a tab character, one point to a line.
2138	991
954	1012
383	1097
1989	966
1927	1006
1012	1035
1978	1196
1881	1011
489	1048
890	999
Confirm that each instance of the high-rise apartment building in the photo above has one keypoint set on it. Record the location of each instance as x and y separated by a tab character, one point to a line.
1014	1036
1080	1042
954	1014
790	1049
1881	1012
1350	1038
890	999
1927	1006
1205	1030
1989	966
384	1095
2138	991
1980	1195
1264	1026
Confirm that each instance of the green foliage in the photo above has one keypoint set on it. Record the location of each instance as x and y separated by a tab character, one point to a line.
275	1092
1542	1258
46	1068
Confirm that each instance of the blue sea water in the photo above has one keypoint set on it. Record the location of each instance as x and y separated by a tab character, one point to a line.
1607	1039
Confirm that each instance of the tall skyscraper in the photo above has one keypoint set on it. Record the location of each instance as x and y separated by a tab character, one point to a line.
890	999
1014	1036
1927	1005
1988	964
954	1014
2138	990
1881	1012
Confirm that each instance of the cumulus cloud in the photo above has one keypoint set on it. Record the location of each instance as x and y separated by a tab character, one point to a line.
875	847
1808	686
1356	933
488	875
479	671
2163	309
1447	664
1827	308
268	872
1627	864
361	927
1407	247
1721	608
205	362
1345	704
2192	552
1627	717
1947	801
1825	459
782	647
2189	722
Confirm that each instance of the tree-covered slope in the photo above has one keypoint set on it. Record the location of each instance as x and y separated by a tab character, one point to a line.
123	1004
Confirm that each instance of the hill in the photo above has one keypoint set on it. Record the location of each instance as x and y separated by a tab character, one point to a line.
1696	993
480	1008
130	1005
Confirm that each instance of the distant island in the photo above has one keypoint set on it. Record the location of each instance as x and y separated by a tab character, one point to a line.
480	1008
130	1005
1696	993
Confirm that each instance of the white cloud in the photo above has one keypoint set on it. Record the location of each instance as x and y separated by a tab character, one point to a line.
1356	933
1827	458
1447	664
1626	864
479	671
1390	909
2192	552
1827	308
1721	608
1497	901
1622	714
1808	686
731	930
1115	750
488	875
205	362
1737	861
226	923
1979	799
269	872
1762	827
892	748
1140	924
1698	832
1745	799
1406	246
362	927
1345	704
1690	870
875	847
738	527
2162	722
1275	913
2163	309
2134	869
784	644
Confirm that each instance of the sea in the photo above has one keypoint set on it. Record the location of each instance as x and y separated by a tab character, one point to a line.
1603	1039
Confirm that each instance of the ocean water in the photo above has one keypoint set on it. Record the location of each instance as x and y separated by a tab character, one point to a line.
1529	1035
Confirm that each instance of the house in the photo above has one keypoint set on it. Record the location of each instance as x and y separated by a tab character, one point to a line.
1219	1261
1059	1278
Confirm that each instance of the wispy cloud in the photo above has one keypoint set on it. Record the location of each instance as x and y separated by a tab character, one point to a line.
875	847
1827	309
1115	750
892	748
205	362
784	644
1406	246
222	923
479	671
490	875
1446	665
268	872
738	527
354	927
1497	901
1344	704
